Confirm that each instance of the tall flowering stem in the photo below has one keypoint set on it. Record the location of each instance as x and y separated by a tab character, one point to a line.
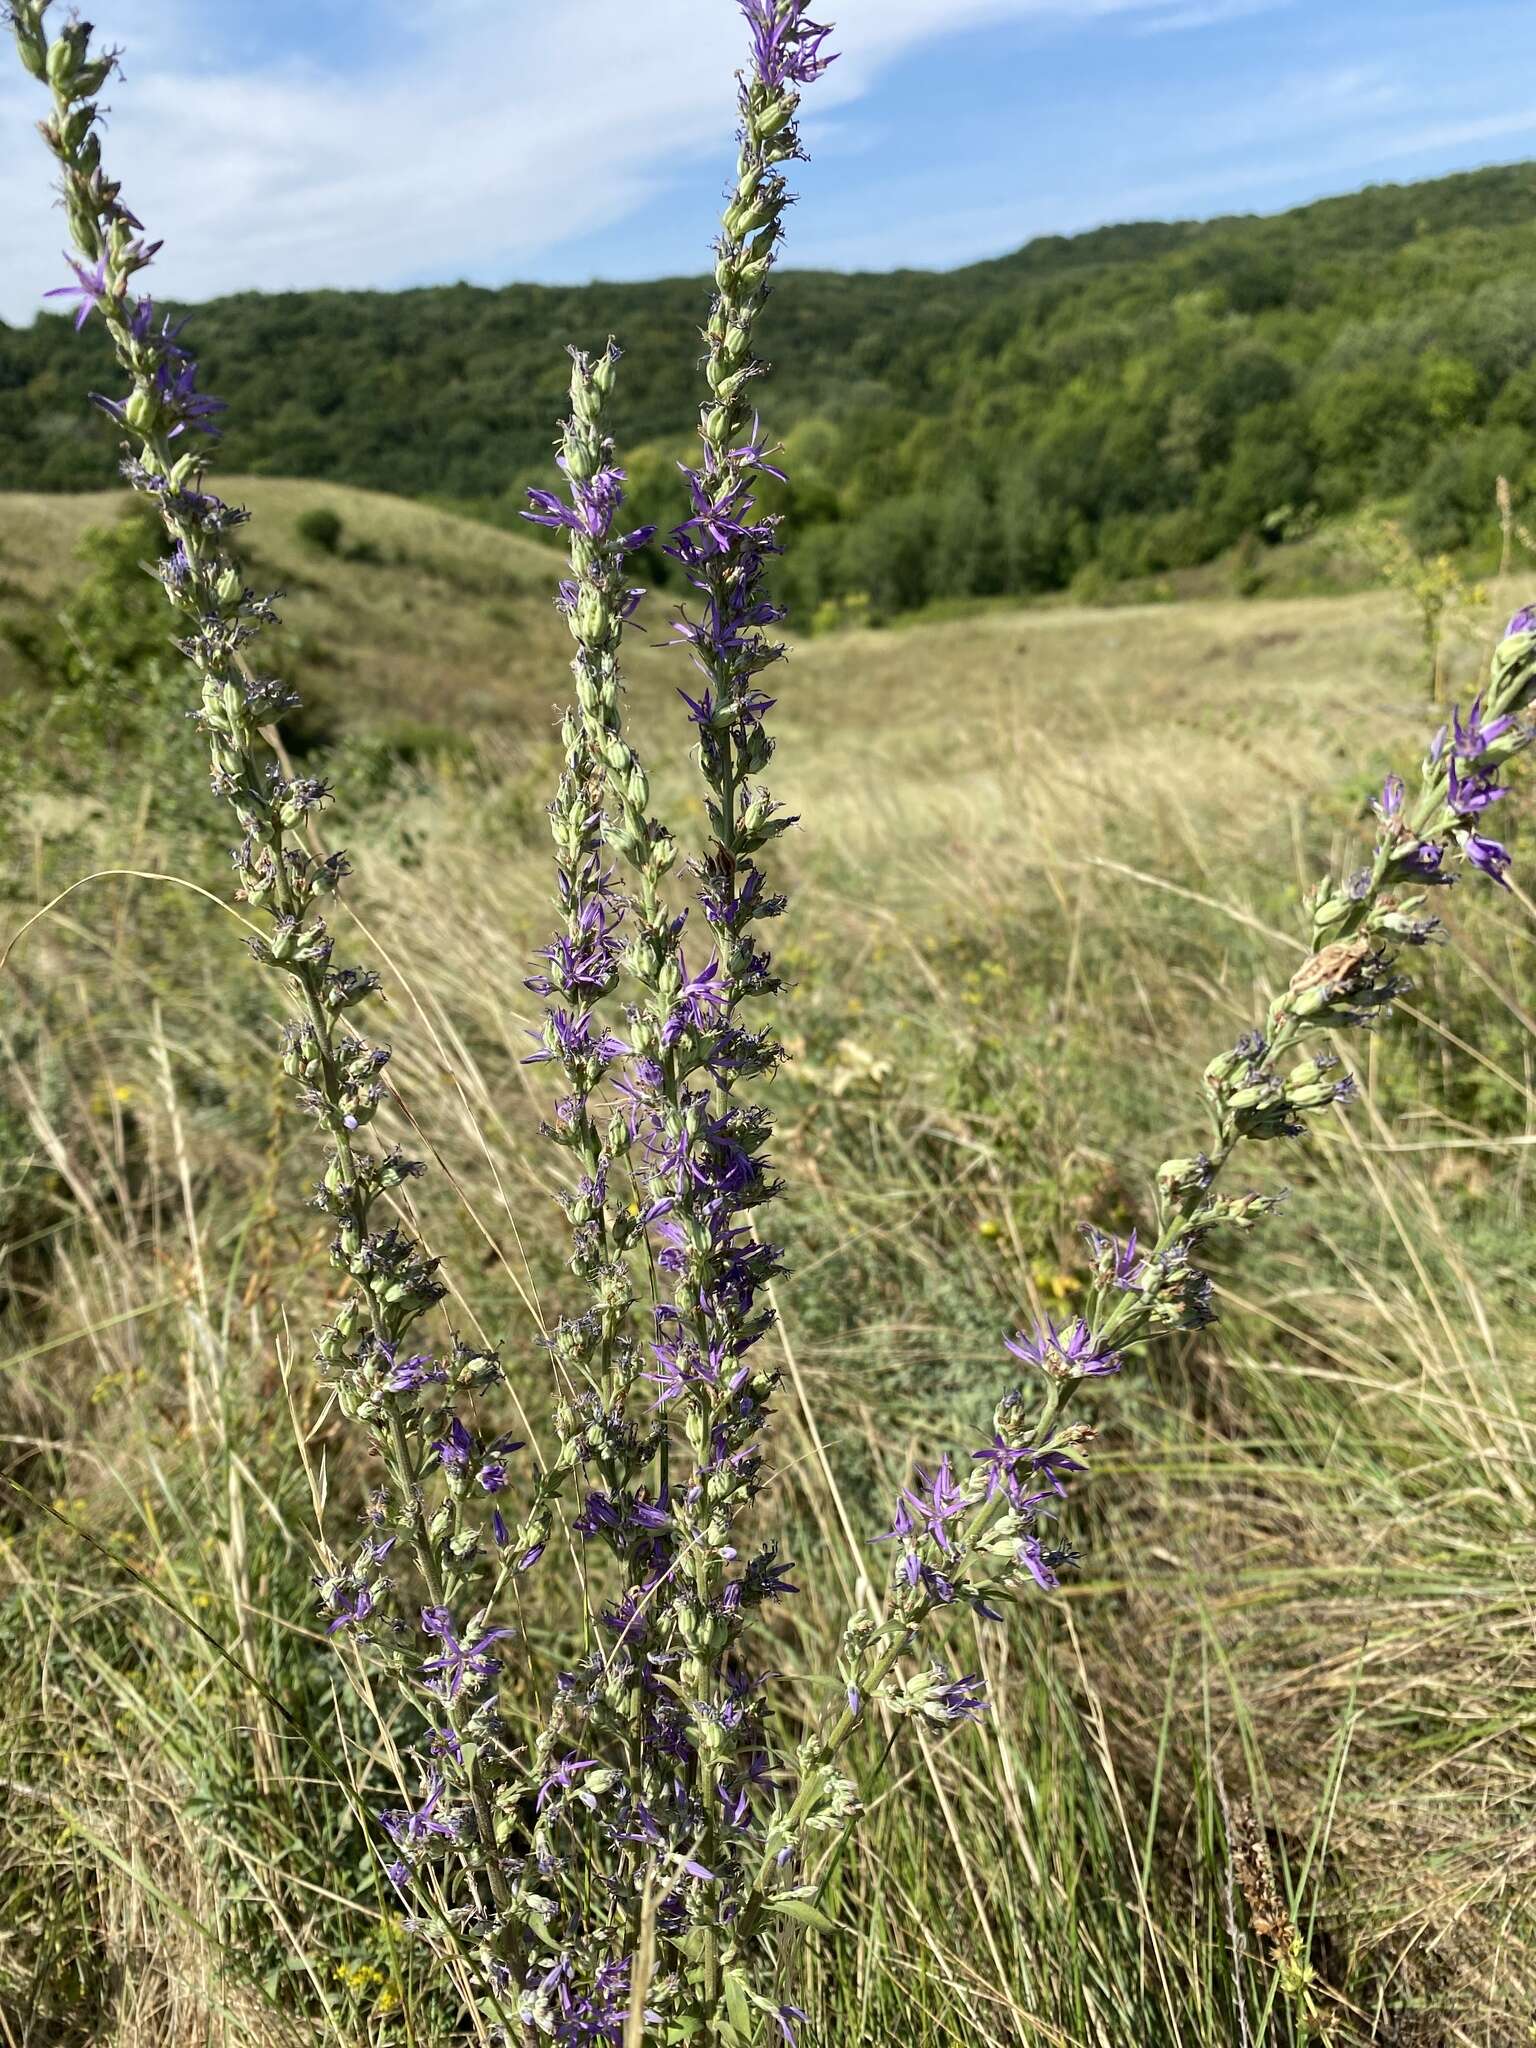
711	1141
430	1628
583	963
615	1830
985	1533
658	1761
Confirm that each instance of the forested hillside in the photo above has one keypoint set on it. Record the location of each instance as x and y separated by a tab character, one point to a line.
1115	404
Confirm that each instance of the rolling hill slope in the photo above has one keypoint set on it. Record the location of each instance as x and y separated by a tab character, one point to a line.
420	616
1118	403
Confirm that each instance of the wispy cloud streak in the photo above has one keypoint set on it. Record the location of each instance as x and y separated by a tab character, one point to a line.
484	138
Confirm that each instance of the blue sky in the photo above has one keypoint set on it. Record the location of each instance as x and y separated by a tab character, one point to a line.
384	142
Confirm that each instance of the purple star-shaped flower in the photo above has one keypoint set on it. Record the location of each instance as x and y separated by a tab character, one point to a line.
456	1449
1469	795
787	47
1075	1352
1478	734
411	1830
458	1662
564	1777
962	1699
934	1503
91	288
353	1613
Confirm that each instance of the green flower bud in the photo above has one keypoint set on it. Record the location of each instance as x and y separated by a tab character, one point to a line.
583	458
90	78
1332	911
775	117
76	129
1179	1177
33	49
63	60
142	412
747	217
592	620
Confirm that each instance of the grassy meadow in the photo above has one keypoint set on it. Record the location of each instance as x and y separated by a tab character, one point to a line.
1264	1773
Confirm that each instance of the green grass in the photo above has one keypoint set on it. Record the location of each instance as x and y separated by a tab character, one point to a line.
1049	863
420	615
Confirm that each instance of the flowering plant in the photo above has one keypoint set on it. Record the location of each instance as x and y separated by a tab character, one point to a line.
639	1865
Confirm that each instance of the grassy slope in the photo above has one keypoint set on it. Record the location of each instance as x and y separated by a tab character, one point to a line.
1309	1568
445	621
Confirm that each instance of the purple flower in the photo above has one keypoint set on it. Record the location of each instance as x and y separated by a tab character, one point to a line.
1419	860
1468	796
1523	622
1488	856
753	453
721	507
1119	1264
1032	1556
408	1374
412	1830
1044	1565
786	46
684	1366
597	2017
1389	805
1425	862
1075	1354
91	288
352	1615
188	406
574	1041
1012	1467
599	1514
940	1591
595	505
962	1699
563	1778
456	1449
1473	739
582	967
166	342
458	1662
699	1002
935	1503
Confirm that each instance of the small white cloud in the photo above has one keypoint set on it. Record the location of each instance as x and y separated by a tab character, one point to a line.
1206	14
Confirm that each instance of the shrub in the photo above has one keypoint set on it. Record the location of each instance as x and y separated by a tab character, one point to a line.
320	528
